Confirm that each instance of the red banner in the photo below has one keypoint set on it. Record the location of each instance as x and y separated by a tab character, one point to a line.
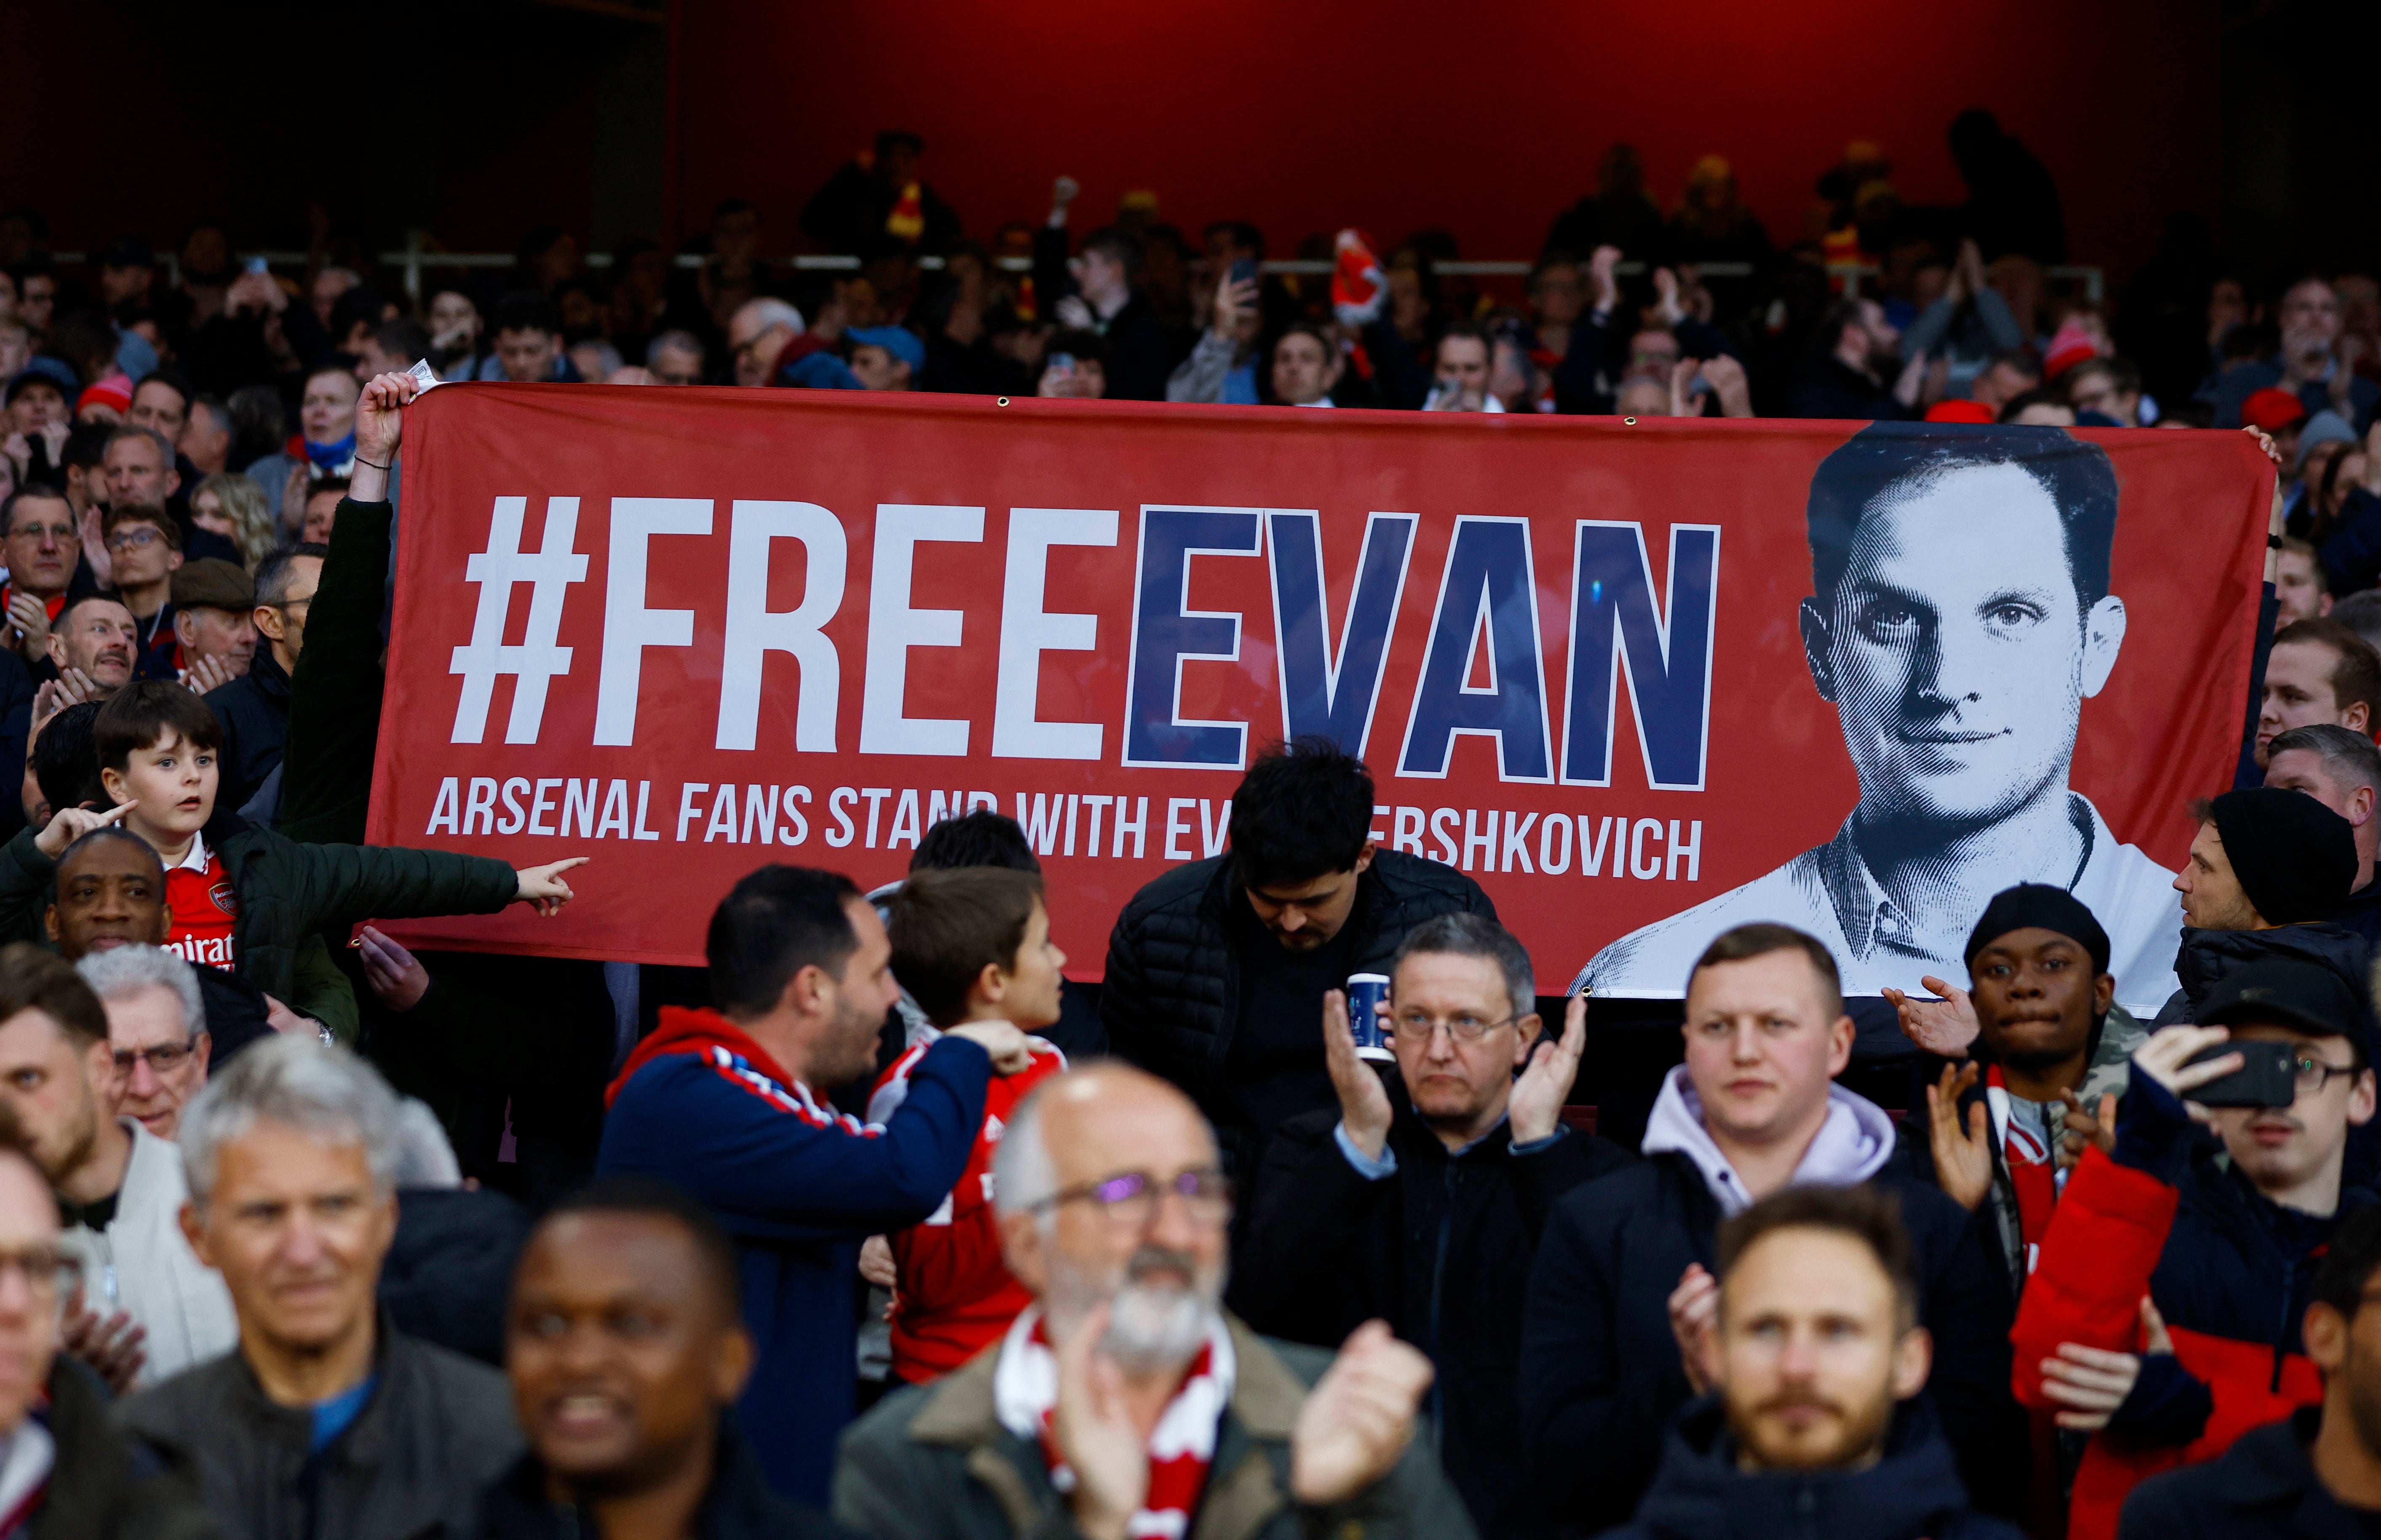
1641	680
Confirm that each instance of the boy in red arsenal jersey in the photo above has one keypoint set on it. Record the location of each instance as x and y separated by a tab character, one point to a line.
970	944
241	898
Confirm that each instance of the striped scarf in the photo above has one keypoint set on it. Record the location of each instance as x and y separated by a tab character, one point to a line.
1025	1391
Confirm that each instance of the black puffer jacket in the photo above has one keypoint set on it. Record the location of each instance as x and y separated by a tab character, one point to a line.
1172	988
2208	957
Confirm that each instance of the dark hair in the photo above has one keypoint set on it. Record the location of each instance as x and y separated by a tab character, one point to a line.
65	762
335	485
86	444
106	831
1866	1214
144	513
362	305
273	574
2349	1263
771	925
647	1198
144	713
35	978
1122	246
948	923
260	422
982	838
1463	330
889	139
1304	811
2341	749
525	310
2041	396
30	490
1245	235
2020	359
1886	457
2357	675
1307	329
1462	935
2121	372
1080	345
404	338
172	378
1745	942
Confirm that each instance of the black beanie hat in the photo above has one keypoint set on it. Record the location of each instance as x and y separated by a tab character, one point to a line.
2039	905
2295	857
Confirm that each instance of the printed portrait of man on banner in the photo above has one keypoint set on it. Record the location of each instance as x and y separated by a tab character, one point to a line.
1960	616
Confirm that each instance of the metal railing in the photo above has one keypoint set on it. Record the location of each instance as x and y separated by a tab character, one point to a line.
416	259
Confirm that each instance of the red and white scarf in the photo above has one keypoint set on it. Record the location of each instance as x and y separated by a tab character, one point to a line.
1025	1391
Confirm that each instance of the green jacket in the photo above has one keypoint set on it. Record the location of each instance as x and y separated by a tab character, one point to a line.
287	893
934	1462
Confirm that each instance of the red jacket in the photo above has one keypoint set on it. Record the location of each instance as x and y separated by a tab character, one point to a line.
2105	1239
954	1295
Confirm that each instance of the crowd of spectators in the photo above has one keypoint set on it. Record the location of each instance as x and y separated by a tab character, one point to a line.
878	1225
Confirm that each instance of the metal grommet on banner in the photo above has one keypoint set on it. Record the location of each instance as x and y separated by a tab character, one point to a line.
1000	401
1629	420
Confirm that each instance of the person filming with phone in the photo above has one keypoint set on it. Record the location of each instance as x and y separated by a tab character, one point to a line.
2162	1319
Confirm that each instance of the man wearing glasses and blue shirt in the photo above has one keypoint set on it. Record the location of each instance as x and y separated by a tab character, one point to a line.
1421	1203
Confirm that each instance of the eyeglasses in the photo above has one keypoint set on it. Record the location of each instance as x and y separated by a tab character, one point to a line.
42	531
48	1270
164	1059
133	539
1463	1029
1131	1199
2314	1074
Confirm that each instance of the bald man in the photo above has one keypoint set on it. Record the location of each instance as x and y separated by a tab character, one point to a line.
1125	1369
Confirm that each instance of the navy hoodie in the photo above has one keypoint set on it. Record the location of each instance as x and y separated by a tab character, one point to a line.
1600	1374
798	1186
1911	1493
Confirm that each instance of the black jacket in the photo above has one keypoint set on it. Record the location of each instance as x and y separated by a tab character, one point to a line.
1440	1249
1911	1493
437	1429
254	711
2264	1488
449	1272
2208	957
1830	388
103	1486
1171	993
737	1505
1600	1372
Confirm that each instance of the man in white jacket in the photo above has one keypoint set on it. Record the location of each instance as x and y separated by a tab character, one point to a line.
150	1307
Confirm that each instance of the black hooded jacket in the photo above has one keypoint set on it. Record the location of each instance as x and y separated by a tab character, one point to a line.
1911	1493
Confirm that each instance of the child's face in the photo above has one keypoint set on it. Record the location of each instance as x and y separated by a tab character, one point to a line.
1031	998
171	785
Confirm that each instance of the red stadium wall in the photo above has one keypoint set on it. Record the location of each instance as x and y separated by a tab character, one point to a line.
1485	119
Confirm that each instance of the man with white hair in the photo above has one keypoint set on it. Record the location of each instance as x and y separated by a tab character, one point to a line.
323	1423
1125	1400
156	1029
757	333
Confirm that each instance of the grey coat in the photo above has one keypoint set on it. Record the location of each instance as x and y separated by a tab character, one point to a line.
437	1429
934	1462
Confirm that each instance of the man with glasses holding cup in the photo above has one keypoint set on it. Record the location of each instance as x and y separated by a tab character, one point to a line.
1125	1400
1419	1197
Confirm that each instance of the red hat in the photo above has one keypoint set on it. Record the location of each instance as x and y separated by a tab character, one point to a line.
2071	346
1960	411
115	390
2272	409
